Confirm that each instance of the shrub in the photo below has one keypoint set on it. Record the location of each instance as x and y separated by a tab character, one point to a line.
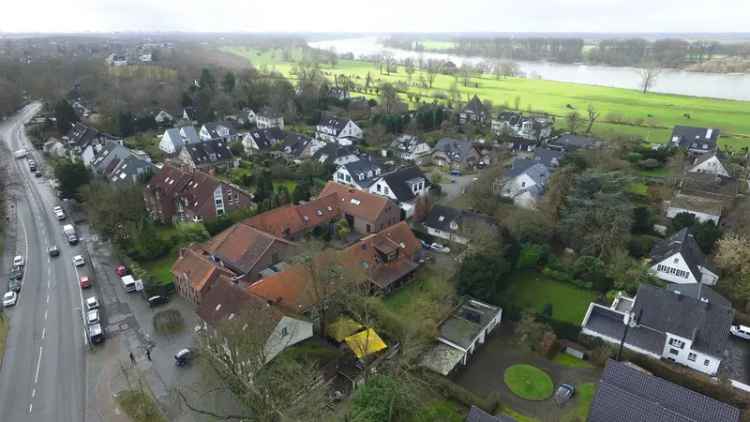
649	164
453	391
531	256
169	321
640	246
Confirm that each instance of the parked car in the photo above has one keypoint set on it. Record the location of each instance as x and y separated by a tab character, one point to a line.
84	282
18	261
455	172
564	393
120	270
424	244
92	317
741	331
16	273
37	173
96	333
53	251
9	299
440	248
14	285
183	357
78	261
157	300
92	303
59	213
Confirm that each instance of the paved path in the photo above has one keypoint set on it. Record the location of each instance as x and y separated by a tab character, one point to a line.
484	375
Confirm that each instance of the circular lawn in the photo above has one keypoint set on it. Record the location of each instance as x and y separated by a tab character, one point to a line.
528	382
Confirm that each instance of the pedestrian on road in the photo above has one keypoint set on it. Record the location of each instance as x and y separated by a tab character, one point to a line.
148	354
132	358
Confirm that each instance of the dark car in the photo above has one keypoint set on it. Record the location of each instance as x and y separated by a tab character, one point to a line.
38	173
157	300
53	251
14	285
183	357
16	273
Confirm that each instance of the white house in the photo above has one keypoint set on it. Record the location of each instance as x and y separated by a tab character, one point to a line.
703	209
709	163
163	118
455	225
248	115
410	148
259	140
404	186
461	335
678	259
357	174
218	130
687	324
268	118
333	153
524	183
529	128
343	132
175	138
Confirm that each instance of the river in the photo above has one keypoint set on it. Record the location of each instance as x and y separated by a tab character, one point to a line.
714	85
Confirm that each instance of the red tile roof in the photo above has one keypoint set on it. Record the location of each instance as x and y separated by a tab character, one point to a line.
356	202
241	246
226	301
200	270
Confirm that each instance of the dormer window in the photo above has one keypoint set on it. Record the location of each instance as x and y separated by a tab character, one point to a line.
454	225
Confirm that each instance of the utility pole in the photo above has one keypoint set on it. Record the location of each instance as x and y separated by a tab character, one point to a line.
633	321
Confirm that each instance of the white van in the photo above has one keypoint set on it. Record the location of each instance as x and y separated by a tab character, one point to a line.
128	283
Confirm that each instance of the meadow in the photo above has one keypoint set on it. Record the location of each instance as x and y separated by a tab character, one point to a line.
650	116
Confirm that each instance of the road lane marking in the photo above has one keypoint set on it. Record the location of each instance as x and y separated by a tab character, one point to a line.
33	393
44	333
31	405
38	364
45	315
47	297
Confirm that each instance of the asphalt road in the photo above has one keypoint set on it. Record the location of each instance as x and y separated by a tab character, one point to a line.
43	374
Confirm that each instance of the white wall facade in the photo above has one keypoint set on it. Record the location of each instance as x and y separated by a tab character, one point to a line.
674	270
711	166
288	331
514	186
679	349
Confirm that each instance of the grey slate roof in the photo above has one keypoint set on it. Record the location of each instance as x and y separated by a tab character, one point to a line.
571	142
695	138
214	127
478	415
294	143
707	324
209	152
610	323
176	135
683	243
266	138
548	157
130	169
336	124
440	218
626	394
333	151
397	181
361	168
536	170
709	185
455	149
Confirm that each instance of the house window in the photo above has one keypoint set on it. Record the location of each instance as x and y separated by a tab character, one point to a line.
378	187
368	228
523	184
284	331
691	357
677	343
706	362
674	351
385	190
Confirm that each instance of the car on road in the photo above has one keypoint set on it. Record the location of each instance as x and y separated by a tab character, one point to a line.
59	213
78	261
10	298
564	393
157	300
16	273
14	285
440	248
741	331
37	173
84	282
18	261
121	270
183	357
96	334
92	317
53	251
455	173
21	153
92	303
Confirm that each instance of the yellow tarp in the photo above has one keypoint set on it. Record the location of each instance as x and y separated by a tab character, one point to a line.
365	343
343	328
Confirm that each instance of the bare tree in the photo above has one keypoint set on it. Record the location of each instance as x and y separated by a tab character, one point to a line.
432	69
573	119
593	115
649	72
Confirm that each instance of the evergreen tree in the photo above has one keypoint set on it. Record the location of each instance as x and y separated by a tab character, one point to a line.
65	115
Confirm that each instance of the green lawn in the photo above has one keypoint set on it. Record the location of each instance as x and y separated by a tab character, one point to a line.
532	290
517	416
160	269
438	45
565	359
653	115
584	396
290	185
139	406
428	286
528	382
638	188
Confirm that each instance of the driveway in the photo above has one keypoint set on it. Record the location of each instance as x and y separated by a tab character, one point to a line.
452	190
484	374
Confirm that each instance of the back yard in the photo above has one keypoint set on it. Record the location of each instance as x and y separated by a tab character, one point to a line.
531	290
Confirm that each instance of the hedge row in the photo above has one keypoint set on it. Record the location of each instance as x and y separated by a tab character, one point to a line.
453	391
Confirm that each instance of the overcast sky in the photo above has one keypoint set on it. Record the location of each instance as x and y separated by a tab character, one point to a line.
375	15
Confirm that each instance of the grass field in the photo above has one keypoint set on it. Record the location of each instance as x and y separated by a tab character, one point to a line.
655	114
437	45
531	290
565	359
528	382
